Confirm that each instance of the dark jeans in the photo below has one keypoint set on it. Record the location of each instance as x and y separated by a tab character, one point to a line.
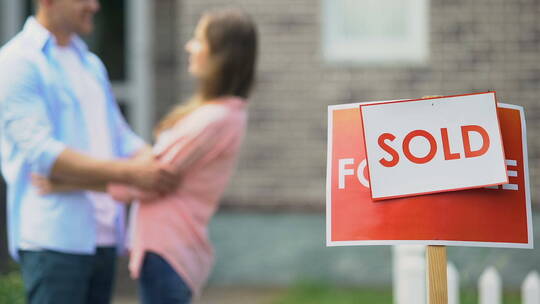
52	277
160	284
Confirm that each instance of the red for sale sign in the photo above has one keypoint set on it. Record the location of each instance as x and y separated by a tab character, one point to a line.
497	216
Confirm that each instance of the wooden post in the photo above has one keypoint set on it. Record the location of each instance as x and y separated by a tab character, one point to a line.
437	277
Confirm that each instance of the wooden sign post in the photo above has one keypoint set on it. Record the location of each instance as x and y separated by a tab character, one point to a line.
437	277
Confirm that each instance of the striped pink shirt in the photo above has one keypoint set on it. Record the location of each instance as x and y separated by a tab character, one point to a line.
203	147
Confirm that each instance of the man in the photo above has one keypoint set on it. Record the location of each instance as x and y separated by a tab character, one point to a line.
58	119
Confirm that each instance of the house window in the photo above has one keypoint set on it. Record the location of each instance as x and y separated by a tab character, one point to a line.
375	32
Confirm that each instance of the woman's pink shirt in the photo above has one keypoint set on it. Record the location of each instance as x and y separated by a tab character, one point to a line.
202	148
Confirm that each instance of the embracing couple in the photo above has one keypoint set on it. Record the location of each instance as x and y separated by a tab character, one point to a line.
71	163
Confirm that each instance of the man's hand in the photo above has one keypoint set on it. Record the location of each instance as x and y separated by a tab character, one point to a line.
148	174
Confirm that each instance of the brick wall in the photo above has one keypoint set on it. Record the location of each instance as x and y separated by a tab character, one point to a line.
475	46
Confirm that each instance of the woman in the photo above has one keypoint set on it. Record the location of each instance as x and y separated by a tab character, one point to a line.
170	249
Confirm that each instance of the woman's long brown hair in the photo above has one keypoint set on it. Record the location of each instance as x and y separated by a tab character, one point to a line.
232	39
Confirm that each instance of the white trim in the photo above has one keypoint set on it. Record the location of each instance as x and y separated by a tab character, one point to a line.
511	173
140	64
511	162
123	91
330	243
11	15
526	169
435	243
329	178
510	187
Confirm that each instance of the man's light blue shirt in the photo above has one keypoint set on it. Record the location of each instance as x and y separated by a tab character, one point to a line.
40	116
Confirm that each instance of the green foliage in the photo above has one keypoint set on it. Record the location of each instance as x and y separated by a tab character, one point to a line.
470	296
12	267
11	289
315	293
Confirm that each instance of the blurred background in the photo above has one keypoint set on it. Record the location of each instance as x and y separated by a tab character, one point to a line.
269	234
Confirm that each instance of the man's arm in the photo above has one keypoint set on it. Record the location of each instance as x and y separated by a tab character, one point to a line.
121	192
47	186
144	173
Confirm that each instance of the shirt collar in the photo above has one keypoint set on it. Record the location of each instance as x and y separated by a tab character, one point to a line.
38	34
42	38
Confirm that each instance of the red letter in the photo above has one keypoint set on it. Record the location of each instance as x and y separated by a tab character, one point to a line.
432	148
467	143
390	150
446	146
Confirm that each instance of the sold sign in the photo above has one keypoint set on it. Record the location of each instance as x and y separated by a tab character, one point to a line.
433	145
495	216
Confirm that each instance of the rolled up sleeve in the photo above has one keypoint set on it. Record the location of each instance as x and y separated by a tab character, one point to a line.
24	119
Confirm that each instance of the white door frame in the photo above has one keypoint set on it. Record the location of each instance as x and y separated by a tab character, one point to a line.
140	65
11	18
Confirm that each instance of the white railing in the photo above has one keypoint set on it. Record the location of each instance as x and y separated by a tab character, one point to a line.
530	290
453	284
490	287
410	281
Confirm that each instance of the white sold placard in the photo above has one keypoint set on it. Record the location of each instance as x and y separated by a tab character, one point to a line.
432	145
